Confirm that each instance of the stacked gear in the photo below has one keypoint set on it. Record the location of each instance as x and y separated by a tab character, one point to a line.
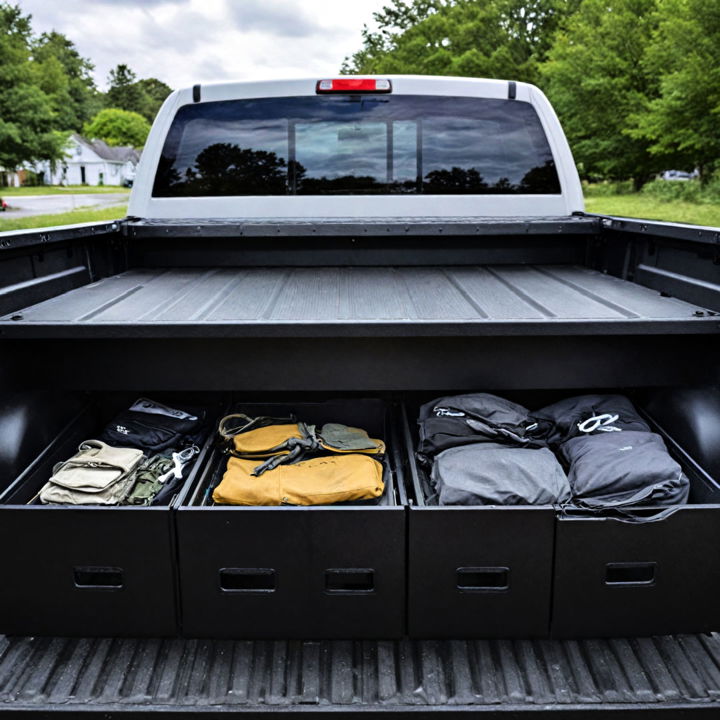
485	450
280	461
614	458
139	459
168	435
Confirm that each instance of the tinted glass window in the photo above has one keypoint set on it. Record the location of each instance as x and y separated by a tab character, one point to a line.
340	145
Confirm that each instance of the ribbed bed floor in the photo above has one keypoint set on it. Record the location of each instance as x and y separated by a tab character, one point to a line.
104	674
349	300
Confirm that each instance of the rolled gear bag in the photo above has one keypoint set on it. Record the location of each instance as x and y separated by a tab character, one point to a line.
258	437
155	427
284	440
317	481
97	474
494	474
589	415
480	417
623	469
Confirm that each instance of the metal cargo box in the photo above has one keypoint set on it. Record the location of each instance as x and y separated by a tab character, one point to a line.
295	572
482	571
616	577
84	570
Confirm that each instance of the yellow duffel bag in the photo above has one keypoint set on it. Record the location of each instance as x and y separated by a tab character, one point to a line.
317	481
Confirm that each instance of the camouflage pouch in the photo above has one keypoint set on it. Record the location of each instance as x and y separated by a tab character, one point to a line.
147	480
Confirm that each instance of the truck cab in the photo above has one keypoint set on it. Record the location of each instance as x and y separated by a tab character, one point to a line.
421	147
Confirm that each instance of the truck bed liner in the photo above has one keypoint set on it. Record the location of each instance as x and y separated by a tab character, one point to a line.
355	301
124	675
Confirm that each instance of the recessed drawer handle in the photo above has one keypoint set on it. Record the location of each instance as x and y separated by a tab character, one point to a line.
483	579
630	574
248	580
350	581
98	578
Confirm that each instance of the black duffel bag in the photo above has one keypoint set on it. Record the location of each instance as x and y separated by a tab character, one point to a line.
154	427
588	415
475	418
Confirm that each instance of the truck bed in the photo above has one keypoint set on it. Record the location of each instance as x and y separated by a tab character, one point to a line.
357	301
359	316
112	677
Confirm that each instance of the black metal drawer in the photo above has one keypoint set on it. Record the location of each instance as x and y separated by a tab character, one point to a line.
91	570
295	572
476	571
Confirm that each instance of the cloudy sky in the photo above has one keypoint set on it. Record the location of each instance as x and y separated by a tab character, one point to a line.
186	41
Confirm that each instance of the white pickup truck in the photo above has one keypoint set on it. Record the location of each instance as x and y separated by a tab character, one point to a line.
362	244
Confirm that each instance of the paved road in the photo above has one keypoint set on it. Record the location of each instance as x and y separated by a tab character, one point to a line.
29	205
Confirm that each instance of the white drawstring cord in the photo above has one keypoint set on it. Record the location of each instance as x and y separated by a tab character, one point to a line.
601	423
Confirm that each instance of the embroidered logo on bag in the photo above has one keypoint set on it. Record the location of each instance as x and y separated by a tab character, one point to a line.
122	429
155	408
444	412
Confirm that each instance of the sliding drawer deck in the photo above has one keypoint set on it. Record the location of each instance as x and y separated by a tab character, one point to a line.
511	300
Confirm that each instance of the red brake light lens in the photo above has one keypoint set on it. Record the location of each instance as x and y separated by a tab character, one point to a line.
353	85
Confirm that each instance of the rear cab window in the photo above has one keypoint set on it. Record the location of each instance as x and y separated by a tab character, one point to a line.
356	145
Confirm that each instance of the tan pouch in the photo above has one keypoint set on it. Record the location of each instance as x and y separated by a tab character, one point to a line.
97	474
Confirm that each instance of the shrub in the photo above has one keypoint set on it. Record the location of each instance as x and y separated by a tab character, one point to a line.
607	188
684	190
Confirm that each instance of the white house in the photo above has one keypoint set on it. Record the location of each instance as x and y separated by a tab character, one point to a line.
91	162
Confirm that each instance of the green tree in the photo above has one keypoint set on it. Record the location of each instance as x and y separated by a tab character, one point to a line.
124	92
28	129
155	92
118	127
141	96
684	121
596	79
478	38
75	97
391	21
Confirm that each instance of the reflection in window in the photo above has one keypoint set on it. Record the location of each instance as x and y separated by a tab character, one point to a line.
341	157
332	145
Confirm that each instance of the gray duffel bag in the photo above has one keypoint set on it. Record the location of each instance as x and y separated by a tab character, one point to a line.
495	474
623	469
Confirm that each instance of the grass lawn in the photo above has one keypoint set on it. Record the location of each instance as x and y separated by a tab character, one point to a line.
57	190
639	206
651	208
80	215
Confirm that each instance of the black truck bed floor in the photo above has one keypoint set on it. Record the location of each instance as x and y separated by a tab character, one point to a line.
355	301
117	676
